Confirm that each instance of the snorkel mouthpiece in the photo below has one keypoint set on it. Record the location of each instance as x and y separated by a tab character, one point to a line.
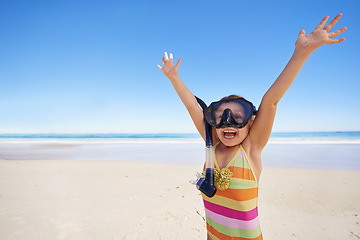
206	184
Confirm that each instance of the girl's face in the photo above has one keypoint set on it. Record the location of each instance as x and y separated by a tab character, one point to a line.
232	136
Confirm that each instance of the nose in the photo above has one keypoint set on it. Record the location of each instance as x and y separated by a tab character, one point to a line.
226	117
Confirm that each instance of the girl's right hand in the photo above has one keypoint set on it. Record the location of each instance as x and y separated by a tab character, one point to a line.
169	69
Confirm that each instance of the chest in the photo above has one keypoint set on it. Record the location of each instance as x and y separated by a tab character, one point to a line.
223	158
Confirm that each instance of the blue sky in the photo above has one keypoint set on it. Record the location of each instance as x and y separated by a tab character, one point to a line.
90	66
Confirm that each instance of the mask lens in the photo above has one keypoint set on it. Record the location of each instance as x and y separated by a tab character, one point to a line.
218	116
229	113
239	117
237	110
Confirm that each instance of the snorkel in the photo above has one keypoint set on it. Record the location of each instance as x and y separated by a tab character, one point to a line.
206	185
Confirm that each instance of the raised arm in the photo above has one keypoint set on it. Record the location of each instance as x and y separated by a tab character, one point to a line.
304	46
171	72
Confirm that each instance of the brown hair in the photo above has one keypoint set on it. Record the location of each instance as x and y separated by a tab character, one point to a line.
230	97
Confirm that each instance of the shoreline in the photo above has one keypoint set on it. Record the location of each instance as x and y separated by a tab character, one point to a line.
81	141
308	156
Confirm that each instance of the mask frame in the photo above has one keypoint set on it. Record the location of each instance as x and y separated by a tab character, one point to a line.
228	118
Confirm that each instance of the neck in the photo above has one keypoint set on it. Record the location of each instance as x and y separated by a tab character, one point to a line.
228	148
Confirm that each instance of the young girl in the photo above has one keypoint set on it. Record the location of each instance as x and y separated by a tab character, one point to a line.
232	212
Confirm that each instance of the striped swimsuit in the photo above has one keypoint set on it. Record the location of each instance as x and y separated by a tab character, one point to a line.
233	213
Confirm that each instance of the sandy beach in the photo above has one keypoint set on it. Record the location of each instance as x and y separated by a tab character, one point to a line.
99	199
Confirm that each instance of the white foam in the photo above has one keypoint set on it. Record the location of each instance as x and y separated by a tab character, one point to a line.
101	140
313	141
273	140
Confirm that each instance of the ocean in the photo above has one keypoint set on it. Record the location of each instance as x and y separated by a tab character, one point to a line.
316	150
346	137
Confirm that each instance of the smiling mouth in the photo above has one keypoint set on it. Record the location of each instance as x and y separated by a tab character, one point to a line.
229	134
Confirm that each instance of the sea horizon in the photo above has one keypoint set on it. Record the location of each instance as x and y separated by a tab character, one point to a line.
322	137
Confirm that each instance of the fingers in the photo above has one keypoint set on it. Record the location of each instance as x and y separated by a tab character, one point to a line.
166	60
302	32
337	33
335	41
167	57
329	26
322	23
333	22
178	63
163	61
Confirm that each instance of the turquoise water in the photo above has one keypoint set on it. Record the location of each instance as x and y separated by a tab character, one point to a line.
283	137
103	135
276	138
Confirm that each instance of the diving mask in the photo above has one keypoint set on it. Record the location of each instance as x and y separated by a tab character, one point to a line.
233	112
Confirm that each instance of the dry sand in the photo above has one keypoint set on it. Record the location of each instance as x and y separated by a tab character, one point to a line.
108	200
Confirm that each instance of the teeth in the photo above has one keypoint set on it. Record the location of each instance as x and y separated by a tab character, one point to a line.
229	134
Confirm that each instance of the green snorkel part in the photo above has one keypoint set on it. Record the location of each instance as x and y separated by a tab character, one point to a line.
206	185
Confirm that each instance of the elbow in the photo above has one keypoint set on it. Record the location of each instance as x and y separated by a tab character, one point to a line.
270	101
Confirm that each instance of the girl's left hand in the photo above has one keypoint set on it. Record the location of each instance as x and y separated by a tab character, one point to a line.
306	44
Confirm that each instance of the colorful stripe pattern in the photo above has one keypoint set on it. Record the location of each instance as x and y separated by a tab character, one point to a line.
233	213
